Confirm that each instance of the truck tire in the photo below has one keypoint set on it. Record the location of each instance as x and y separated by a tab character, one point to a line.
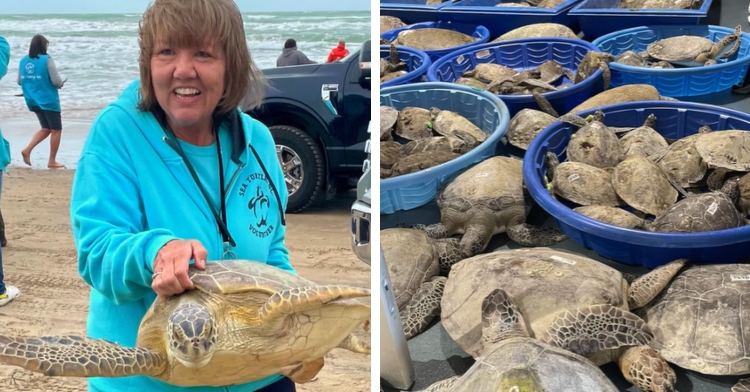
303	165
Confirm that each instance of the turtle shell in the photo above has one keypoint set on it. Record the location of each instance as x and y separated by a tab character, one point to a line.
596	145
388	23
487	72
729	149
697	213
643	185
494	184
525	125
681	48
682	162
411	260
420	161
538	30
545	367
584	184
447	121
433	38
388	117
412	123
612	215
541	281
626	93
700	320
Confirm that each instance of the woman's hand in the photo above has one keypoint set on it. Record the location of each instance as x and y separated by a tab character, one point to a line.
171	266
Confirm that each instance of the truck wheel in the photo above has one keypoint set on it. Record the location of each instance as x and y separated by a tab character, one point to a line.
303	166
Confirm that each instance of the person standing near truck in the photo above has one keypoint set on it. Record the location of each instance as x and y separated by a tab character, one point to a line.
291	56
338	53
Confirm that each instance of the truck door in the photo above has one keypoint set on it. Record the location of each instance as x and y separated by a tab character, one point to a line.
356	109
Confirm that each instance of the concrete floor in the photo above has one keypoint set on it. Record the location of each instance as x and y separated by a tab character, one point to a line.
434	354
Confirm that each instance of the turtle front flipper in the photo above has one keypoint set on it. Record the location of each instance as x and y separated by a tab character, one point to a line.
501	319
443	385
595	328
475	239
302	299
742	385
645	369
648	286
449	253
305	372
77	356
530	235
423	307
437	230
355	344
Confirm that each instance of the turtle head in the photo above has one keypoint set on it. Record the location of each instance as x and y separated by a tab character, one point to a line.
191	335
731	188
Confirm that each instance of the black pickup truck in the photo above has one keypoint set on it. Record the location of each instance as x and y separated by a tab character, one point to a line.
318	115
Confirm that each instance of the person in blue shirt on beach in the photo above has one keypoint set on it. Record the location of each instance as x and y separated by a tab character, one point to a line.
7	293
169	173
39	81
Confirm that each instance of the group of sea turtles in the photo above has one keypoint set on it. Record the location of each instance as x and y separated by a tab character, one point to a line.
415	138
622	176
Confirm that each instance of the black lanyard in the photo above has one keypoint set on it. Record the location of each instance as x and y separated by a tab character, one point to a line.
221	219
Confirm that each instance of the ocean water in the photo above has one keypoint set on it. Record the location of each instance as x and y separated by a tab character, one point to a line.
98	53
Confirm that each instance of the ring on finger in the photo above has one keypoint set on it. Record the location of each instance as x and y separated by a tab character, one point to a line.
155	275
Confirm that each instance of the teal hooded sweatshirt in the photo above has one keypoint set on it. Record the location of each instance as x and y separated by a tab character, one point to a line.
132	193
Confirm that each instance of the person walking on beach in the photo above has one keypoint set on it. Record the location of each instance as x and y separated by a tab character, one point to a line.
39	81
338	53
166	174
291	56
7	293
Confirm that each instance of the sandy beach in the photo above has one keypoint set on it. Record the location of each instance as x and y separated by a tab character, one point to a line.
41	260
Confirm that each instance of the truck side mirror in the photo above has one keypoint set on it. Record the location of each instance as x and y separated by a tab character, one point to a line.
364	63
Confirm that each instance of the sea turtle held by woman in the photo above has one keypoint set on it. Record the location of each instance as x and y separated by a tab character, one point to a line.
692	50
700	321
554	288
244	321
414	263
485	200
513	360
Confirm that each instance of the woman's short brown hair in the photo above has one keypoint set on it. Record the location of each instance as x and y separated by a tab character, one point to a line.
193	23
38	46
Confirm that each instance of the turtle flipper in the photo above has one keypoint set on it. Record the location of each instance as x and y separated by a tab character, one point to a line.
530	235
645	288
442	385
449	253
644	368
77	356
305	372
301	299
475	239
423	307
742	385
596	328
355	344
437	230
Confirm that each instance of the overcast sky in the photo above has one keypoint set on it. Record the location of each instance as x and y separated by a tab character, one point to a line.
138	6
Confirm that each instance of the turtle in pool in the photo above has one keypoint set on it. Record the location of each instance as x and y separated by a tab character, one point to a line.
413	123
487	72
448	123
626	93
390	153
704	300
471	82
629	57
244	321
709	211
581	183
672	4
485	200
589	64
554	288
460	142
414	263
644	139
723	151
614	216
513	5
525	125
692	50
388	23
550	71
419	161
643	185
433	38
594	143
538	30
388	117
682	163
513	360
525	82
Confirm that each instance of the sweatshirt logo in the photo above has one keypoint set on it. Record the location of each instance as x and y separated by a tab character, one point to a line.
256	190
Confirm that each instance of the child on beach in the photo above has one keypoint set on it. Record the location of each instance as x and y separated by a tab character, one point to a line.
7	293
39	80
